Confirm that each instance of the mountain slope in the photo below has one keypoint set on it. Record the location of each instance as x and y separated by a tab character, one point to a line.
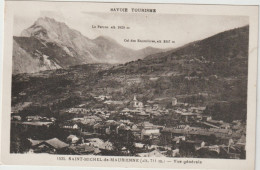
211	72
220	46
69	47
223	54
110	50
29	62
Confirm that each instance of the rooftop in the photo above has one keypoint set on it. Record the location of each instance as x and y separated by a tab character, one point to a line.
56	143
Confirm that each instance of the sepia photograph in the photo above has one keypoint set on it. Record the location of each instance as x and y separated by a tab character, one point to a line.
129	82
72	94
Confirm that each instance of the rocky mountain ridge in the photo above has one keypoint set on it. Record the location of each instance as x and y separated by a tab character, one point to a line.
49	44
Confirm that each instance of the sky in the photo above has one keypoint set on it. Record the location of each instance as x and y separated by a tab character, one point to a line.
178	28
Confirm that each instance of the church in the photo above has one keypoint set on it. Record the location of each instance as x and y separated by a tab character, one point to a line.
136	103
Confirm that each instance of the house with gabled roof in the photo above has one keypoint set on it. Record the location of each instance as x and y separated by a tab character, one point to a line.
53	145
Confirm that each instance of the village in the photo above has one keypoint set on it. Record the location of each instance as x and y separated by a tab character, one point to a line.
142	130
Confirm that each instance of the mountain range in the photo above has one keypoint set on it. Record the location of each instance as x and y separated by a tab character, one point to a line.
49	44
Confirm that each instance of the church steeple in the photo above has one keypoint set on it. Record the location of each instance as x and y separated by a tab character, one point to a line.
135	98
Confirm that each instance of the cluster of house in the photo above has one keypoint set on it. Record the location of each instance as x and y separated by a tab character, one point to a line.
230	136
104	114
33	121
96	126
162	141
91	131
33	118
72	145
107	100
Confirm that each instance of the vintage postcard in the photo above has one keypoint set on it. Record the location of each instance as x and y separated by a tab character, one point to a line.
129	85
